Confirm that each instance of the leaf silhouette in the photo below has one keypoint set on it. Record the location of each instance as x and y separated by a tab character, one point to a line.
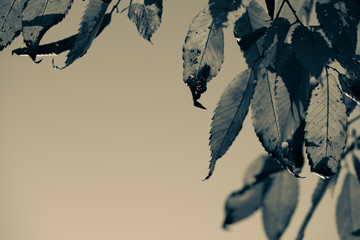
229	115
270	4
63	45
279	204
10	21
347	208
38	17
356	162
342	29
356	233
90	25
325	130
243	203
253	19
351	87
203	53
311	49
219	10
146	14
250	39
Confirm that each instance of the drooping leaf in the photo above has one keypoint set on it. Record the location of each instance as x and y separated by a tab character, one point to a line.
10	20
254	18
229	115
325	131
279	204
203	53
270	4
306	10
348	208
219	10
38	17
311	49
146	14
90	25
351	87
63	45
243	203
342	29
264	117
356	162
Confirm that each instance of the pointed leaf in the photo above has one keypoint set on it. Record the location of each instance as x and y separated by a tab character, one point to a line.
311	49
203	53
270	4
220	9
279	204
90	25
10	20
264	117
60	46
342	29
146	14
325	131
229	115
38	17
254	18
348	208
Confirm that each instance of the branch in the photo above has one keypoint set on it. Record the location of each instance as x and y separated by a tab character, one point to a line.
116	6
281	6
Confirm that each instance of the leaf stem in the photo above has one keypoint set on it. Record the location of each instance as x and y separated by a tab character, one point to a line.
116	6
334	69
316	200
294	12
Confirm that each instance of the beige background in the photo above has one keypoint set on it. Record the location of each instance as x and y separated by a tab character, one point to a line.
112	148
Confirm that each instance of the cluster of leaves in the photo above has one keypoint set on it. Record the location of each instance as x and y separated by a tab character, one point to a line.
300	99
33	18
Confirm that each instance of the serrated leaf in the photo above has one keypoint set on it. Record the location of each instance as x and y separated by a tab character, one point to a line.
220	9
351	87
229	115
342	29
203	53
146	14
356	162
254	18
325	130
311	49
38	17
279	204
264	117
270	5
90	25
10	21
348	208
63	45
243	203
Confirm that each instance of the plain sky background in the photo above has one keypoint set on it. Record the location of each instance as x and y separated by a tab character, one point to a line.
112	147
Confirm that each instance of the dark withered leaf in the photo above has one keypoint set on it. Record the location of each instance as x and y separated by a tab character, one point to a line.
219	10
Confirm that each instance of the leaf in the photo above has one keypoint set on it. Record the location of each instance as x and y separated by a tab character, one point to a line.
311	49
350	87
90	25
10	21
203	54
254	18
279	204
219	10
229	115
356	233
243	203
342	29
356	162
63	45
264	117
270	4
38	17
325	130
348	208
250	39
146	14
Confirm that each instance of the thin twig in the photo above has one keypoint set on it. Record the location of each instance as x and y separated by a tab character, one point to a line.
294	12
354	119
116	6
334	69
281	6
